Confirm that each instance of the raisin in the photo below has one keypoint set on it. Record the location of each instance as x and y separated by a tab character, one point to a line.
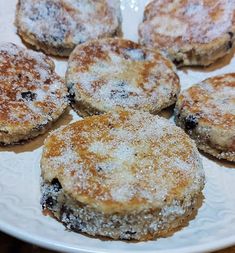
4	131
48	81
173	96
191	122
230	34
178	62
48	202
34	18
99	169
121	84
119	94
124	95
130	233
40	127
28	95
56	184
229	45
71	97
135	54
110	126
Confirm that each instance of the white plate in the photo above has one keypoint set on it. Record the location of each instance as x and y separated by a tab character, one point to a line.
20	211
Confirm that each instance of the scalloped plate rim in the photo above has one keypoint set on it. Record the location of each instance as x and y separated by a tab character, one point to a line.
63	247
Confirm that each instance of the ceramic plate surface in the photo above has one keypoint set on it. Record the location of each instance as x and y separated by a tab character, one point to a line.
20	211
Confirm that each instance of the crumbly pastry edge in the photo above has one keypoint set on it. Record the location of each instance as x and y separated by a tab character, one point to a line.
62	51
85	109
140	226
198	54
144	222
201	136
84	106
19	135
25	136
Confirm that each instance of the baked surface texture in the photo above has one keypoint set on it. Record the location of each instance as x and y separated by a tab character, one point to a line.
109	74
123	175
57	26
206	111
32	95
190	32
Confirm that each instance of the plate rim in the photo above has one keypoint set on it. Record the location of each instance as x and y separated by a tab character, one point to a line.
61	247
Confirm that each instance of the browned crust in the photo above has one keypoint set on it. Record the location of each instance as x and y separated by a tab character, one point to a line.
190	53
83	141
8	140
32	94
88	56
201	112
63	50
134	227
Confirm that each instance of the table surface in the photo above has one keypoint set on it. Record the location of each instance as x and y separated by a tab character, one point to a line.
9	244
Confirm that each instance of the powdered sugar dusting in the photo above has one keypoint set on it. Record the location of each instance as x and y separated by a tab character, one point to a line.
214	100
31	94
172	24
110	74
125	156
67	23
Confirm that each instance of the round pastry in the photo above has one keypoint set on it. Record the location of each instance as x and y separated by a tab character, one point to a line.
32	95
124	175
194	32
207	113
109	74
57	26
